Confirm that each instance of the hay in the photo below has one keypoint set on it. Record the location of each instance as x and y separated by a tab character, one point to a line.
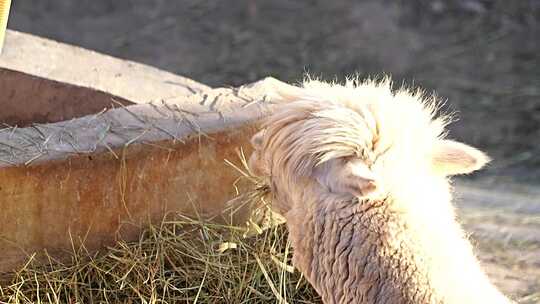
181	260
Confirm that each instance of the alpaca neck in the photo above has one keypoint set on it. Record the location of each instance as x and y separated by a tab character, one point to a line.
377	252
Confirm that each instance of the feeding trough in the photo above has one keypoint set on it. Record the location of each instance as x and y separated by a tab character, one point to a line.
93	146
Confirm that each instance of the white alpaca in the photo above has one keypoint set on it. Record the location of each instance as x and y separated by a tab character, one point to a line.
360	174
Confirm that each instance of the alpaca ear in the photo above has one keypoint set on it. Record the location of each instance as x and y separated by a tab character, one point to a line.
257	140
282	91
255	164
452	157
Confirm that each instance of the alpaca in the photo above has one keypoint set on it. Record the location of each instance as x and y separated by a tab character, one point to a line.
360	174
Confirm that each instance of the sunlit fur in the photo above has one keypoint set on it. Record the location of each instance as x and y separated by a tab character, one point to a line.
398	243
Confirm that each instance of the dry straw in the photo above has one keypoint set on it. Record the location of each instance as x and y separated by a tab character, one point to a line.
179	261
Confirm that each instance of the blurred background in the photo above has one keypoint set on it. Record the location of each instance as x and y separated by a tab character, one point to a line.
482	56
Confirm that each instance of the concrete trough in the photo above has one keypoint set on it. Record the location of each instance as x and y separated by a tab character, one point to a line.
92	147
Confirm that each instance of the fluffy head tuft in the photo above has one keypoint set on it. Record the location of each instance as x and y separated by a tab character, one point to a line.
359	133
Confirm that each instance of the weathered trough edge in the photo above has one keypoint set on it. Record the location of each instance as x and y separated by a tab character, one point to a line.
70	64
196	114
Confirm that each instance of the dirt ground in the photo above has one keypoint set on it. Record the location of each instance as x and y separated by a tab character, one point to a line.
504	226
482	56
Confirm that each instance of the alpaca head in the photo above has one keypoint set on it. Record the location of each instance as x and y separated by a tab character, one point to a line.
359	140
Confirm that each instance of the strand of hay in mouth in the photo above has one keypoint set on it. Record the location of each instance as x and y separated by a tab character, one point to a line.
179	261
261	215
